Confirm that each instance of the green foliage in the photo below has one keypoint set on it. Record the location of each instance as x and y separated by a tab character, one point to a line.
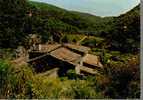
119	80
20	18
12	15
49	88
14	80
81	89
104	57
93	41
46	88
4	77
71	74
89	42
123	79
125	35
20	82
71	38
7	53
72	22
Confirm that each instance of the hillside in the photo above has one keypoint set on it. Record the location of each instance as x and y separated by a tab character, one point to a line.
48	20
45	53
127	27
107	27
82	21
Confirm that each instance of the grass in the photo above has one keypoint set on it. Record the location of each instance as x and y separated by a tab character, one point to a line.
93	41
73	38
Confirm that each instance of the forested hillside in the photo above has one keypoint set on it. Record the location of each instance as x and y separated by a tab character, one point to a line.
125	33
81	21
115	41
47	20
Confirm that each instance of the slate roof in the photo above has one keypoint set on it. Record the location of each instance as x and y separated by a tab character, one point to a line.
78	47
66	55
48	47
92	60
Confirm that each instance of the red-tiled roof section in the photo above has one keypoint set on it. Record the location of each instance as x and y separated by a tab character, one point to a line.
92	60
66	55
78	47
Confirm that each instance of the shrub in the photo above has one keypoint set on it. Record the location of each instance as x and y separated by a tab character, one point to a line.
44	88
123	77
5	72
14	80
48	88
79	89
20	81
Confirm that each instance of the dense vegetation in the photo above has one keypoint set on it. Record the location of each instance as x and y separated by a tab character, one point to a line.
47	20
116	82
125	36
115	39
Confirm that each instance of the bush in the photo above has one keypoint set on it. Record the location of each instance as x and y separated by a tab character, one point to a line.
79	89
124	79
44	88
14	80
5	72
20	81
89	42
47	88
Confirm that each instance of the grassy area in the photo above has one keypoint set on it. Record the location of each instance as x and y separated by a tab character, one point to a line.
113	56
92	41
72	38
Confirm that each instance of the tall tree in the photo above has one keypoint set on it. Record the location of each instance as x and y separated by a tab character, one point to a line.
12	15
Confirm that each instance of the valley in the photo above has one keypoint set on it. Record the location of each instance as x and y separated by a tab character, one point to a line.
47	52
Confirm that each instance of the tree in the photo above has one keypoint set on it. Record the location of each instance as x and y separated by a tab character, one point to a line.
12	15
126	33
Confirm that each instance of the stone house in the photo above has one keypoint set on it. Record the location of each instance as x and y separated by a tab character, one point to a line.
64	57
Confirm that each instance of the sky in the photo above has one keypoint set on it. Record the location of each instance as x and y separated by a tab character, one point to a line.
95	7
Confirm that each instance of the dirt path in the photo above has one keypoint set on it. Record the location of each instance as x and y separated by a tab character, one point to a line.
81	40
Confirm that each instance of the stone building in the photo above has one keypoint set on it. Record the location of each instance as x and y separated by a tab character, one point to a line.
64	57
